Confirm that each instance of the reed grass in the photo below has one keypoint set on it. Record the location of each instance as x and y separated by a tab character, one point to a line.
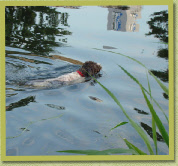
156	122
149	93
153	121
165	89
104	152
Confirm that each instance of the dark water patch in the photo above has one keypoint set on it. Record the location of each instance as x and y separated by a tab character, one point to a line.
166	96
20	53
28	60
67	67
17	66
24	129
12	94
163	53
108	47
21	103
96	132
15	72
141	111
13	89
149	131
56	106
20	66
158	24
95	99
163	75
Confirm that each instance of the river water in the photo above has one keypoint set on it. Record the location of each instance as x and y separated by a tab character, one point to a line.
46	42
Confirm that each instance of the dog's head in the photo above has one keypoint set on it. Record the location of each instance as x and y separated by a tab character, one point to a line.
90	68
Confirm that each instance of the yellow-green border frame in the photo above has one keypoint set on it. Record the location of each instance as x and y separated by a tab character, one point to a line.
89	157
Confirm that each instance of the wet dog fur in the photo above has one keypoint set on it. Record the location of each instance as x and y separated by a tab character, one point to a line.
89	68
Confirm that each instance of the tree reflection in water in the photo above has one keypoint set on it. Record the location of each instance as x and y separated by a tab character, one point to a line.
21	103
34	28
149	130
159	28
159	25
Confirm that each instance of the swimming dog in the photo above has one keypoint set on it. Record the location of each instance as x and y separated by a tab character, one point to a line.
89	68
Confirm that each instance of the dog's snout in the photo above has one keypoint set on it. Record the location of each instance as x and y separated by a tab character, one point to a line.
99	65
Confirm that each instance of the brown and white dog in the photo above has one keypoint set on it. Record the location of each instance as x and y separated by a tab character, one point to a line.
89	68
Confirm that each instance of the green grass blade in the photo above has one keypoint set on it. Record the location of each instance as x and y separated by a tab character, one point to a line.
149	85
133	78
154	134
120	124
131	146
104	152
134	125
160	109
153	121
156	118
165	89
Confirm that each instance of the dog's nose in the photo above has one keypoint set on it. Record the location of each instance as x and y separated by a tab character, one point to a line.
99	65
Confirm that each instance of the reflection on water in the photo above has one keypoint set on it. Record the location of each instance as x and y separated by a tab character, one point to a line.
159	25
56	106
34	28
149	130
33	61
24	129
21	103
159	28
28	60
121	19
163	53
141	111
163	75
95	99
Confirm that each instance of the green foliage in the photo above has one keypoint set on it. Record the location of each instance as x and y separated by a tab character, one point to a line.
149	93
155	122
157	119
97	152
133	147
120	124
134	125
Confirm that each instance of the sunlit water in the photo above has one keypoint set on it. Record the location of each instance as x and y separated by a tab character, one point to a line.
34	125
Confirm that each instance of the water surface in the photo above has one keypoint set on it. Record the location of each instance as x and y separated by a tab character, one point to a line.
46	42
